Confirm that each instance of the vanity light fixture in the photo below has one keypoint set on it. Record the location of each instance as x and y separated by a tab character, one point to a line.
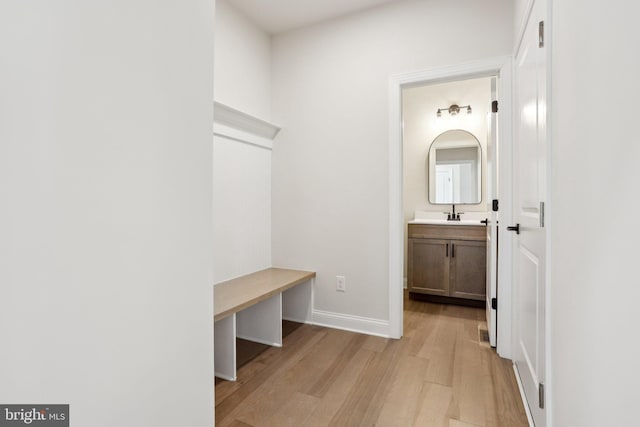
453	109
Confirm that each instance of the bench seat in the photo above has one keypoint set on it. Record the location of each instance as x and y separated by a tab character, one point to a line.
253	306
239	293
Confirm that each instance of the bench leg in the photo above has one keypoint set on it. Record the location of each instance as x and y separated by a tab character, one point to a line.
296	303
225	348
262	322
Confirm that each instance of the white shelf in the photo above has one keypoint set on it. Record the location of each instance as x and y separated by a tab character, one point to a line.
242	127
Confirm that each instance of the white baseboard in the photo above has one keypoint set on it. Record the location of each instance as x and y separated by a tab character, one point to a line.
362	325
523	397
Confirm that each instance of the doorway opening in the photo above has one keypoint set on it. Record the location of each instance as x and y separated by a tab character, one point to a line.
496	73
448	163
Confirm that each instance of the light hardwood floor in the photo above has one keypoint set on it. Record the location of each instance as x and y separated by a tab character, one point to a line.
440	373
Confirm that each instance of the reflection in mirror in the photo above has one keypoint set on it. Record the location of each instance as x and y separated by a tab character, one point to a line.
455	169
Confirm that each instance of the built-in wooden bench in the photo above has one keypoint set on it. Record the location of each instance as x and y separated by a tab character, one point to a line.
252	307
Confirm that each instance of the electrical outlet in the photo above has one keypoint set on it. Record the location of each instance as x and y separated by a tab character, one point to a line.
341	284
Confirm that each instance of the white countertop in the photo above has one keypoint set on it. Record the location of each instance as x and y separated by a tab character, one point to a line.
445	222
438	218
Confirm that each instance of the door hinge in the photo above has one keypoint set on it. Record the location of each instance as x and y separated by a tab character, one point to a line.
494	303
541	34
494	106
541	214
494	205
541	395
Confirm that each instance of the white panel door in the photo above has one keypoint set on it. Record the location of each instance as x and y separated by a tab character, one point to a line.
444	184
492	223
530	157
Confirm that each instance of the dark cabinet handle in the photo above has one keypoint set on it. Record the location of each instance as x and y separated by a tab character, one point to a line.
485	221
447	255
515	228
453	250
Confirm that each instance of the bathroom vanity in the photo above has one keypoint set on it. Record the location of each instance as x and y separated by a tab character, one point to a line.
447	255
447	260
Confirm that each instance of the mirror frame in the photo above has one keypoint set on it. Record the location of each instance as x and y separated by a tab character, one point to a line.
431	162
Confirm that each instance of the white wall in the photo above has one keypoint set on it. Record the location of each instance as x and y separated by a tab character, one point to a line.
330	173
105	209
243	63
242	172
242	208
595	205
421	126
521	10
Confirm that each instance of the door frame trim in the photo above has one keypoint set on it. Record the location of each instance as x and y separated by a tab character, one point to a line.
498	66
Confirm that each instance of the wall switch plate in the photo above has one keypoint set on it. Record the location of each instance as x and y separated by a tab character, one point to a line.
341	284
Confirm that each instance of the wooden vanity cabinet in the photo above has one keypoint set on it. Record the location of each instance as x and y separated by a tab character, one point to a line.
428	266
447	260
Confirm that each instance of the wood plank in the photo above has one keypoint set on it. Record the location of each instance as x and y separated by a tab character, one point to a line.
337	394
441	352
246	351
401	406
236	423
375	344
234	295
434	406
363	406
289	327
320	387
457	423
295	411
469	380
504	395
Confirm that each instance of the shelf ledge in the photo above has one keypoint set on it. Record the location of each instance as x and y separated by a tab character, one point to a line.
236	125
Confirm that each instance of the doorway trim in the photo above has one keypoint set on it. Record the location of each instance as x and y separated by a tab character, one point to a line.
497	66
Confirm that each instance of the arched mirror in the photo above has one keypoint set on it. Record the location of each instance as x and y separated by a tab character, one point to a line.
455	169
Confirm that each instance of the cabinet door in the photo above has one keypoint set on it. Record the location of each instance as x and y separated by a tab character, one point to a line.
428	266
468	269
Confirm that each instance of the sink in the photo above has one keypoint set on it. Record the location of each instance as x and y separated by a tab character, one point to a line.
445	222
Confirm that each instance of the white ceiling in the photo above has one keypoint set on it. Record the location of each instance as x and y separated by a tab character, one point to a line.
277	16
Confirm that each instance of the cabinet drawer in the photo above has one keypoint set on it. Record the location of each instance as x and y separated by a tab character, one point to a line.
458	232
